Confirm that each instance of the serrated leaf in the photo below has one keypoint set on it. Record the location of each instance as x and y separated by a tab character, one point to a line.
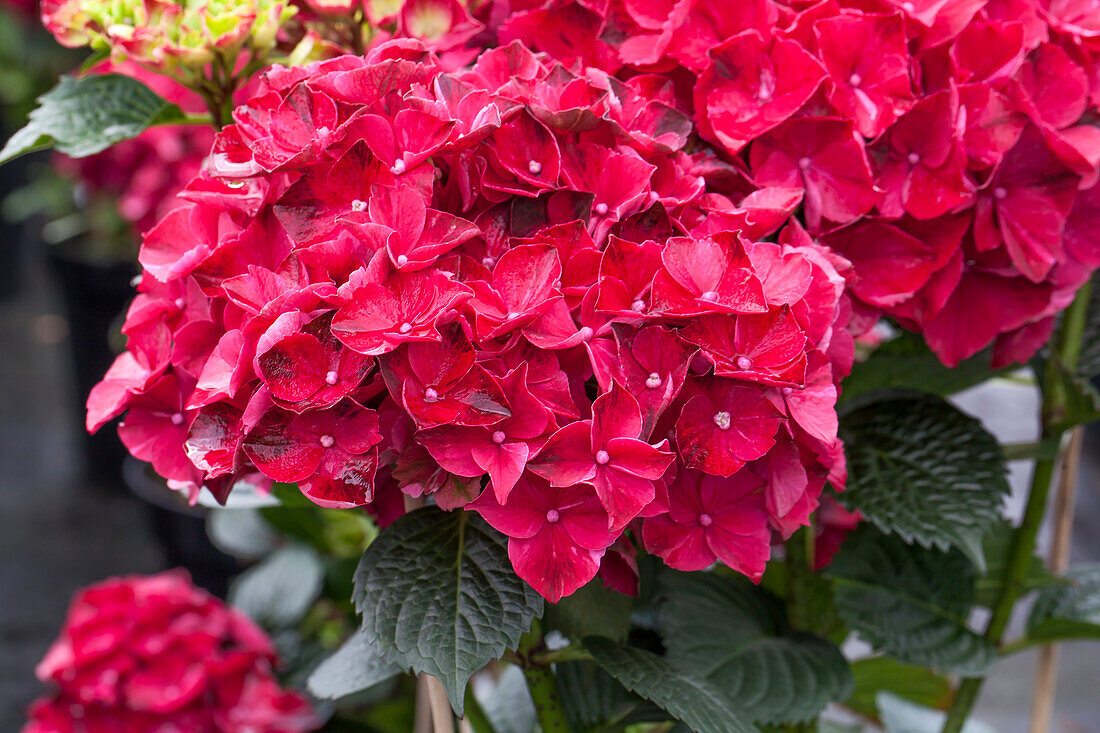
438	595
736	636
84	115
594	610
688	698
997	544
279	591
909	602
591	696
879	674
354	667
906	362
1088	361
1070	611
920	468
902	716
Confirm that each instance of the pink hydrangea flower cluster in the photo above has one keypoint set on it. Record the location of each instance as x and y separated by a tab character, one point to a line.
947	148
518	288
146	654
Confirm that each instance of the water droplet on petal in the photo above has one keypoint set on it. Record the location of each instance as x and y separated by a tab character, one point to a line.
499	436
327	441
552	516
331	378
705	520
653	381
722	420
405	327
534	167
601	209
602	457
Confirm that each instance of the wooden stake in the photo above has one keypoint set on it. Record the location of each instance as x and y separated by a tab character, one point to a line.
1046	675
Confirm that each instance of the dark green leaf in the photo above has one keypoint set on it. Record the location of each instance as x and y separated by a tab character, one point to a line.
594	610
1070	611
905	362
1082	401
736	636
591	697
909	602
279	591
84	115
354	667
438	595
877	674
686	697
1088	361
920	468
988	586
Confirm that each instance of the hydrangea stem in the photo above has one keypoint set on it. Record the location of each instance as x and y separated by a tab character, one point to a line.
800	565
541	683
1065	356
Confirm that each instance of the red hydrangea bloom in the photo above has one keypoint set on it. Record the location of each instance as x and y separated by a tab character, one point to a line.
508	288
155	653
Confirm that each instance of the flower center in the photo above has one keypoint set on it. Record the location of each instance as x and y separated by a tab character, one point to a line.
602	457
601	209
908	7
914	158
764	95
653	381
327	441
552	516
405	327
710	296
177	419
722	420
331	378
804	163
637	306
358	205
787	390
235	184
488	261
1000	193
744	362
398	168
705	520
402	260
534	167
430	395
511	314
586	333
499	436
855	80
180	303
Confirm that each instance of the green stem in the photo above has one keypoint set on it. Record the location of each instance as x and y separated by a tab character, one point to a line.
571	653
475	714
800	566
541	683
1065	355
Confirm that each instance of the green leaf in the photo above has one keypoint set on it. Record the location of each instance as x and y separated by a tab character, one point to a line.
84	115
594	610
591	697
877	674
922	469
736	636
686	697
354	667
279	591
1088	361
1082	401
1070	611
987	588
438	595
905	362
902	716
909	602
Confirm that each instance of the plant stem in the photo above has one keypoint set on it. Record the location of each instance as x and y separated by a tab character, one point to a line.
1064	356
541	683
800	565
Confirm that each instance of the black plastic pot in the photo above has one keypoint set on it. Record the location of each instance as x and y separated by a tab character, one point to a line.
94	295
181	530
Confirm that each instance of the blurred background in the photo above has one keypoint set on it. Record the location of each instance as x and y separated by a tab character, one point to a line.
73	510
